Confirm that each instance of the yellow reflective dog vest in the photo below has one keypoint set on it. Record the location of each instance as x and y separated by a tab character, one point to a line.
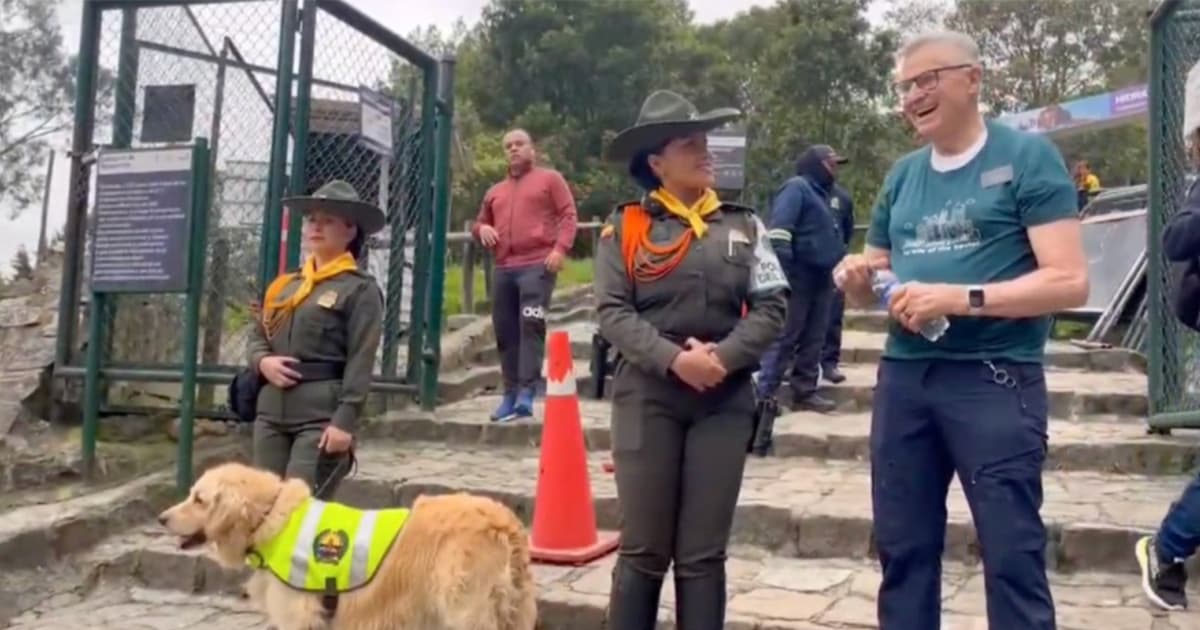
328	547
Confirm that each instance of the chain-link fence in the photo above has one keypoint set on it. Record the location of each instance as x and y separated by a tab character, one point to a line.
168	73
387	165
1174	349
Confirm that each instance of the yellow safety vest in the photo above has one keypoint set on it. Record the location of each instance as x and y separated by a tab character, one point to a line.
328	547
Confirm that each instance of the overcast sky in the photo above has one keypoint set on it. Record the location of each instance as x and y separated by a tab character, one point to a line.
401	17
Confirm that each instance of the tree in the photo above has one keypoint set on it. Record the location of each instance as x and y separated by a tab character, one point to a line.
22	266
35	90
1037	53
915	16
572	73
814	72
1040	53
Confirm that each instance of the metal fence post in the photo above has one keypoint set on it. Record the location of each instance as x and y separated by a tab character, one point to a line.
304	78
431	357
1156	376
422	226
81	143
272	212
197	247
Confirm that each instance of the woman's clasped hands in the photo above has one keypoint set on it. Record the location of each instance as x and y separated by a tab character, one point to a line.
698	365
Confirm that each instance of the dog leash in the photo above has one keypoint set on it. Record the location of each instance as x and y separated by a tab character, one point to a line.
350	459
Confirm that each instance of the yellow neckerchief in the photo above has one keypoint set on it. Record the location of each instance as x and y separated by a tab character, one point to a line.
276	311
694	215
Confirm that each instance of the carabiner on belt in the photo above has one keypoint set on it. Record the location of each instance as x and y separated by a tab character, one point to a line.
1000	376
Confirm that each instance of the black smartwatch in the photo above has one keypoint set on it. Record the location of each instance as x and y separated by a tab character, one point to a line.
975	299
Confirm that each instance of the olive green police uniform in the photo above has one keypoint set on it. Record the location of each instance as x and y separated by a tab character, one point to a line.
334	334
679	454
343	312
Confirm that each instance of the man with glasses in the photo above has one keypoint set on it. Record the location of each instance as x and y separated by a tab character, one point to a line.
980	226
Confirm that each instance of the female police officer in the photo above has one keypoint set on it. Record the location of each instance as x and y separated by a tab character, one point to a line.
315	344
673	273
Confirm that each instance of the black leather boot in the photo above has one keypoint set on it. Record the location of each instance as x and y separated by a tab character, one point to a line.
764	426
700	602
633	599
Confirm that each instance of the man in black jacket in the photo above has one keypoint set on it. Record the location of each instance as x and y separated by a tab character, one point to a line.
842	207
802	232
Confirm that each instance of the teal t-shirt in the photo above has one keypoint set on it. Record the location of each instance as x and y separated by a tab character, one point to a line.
968	226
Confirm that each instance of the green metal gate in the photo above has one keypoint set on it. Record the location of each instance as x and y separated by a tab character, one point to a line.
276	87
1174	349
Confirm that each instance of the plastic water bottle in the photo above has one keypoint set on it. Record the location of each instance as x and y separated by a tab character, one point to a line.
884	283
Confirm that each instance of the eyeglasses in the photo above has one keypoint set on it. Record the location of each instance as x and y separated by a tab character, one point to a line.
926	80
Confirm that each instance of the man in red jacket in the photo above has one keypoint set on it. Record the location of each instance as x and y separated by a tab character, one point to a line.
528	221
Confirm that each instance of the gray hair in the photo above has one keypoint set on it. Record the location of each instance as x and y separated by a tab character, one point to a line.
963	42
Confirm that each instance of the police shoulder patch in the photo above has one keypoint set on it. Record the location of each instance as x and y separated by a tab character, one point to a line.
767	274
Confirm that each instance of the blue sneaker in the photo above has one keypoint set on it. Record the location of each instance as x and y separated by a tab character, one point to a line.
507	409
524	406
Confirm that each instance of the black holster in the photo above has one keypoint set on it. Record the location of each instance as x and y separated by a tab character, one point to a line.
600	365
765	412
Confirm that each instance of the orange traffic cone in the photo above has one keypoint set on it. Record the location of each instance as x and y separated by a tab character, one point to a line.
564	517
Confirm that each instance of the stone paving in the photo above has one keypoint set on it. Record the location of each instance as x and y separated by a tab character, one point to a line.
1097	443
802	535
764	593
1073	392
794	506
864	346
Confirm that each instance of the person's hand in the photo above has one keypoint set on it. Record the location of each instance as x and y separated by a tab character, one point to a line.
488	236
853	274
335	440
554	261
913	304
693	343
698	367
275	369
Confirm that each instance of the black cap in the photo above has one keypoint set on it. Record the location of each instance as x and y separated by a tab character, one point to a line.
826	152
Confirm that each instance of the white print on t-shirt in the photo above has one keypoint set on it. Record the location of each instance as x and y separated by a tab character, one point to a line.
948	230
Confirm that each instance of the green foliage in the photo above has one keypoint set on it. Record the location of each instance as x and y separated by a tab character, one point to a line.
575	73
22	267
35	82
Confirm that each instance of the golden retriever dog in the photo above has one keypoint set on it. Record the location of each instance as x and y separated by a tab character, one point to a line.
461	562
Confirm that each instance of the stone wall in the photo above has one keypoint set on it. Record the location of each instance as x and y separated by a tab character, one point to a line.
28	327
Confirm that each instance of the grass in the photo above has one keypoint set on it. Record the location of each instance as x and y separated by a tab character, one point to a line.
574	273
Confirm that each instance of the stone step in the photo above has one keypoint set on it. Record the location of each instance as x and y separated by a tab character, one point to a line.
1100	444
1074	394
795	507
148	580
867	347
868	321
41	534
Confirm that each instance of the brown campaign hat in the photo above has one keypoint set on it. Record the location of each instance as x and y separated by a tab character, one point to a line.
665	115
340	198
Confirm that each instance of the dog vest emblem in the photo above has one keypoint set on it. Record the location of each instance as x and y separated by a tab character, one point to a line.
328	547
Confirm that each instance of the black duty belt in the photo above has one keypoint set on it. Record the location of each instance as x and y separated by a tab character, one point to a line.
319	370
680	340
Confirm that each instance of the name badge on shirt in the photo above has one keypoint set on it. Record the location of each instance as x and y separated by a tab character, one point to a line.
327	299
996	176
